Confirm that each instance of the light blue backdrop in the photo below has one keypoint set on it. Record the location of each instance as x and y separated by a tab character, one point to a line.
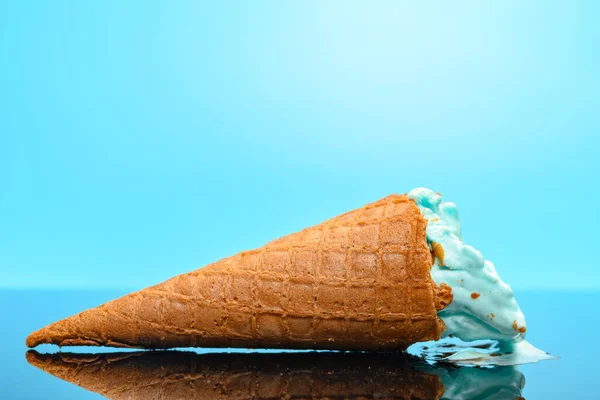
139	140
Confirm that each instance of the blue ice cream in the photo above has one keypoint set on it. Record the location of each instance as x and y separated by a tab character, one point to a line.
484	324
484	307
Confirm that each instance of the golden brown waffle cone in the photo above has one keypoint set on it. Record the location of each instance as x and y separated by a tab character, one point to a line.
358	281
177	375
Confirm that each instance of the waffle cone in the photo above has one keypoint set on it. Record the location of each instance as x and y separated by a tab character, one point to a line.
179	375
359	281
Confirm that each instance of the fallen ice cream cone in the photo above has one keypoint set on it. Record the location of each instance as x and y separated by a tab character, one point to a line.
358	281
382	277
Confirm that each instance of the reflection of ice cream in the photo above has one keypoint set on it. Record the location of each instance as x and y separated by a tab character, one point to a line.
237	376
483	307
177	375
498	383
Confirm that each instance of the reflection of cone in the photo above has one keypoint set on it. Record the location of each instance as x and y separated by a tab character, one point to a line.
358	281
176	375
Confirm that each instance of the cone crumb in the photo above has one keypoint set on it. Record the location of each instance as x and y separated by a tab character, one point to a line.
438	251
517	328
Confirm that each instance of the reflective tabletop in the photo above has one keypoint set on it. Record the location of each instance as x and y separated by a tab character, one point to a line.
561	323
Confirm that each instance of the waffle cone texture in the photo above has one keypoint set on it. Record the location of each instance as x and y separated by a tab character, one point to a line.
359	281
267	376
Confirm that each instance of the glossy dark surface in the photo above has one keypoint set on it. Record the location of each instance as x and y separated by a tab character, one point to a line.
562	323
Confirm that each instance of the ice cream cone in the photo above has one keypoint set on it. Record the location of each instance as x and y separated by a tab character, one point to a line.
359	281
187	375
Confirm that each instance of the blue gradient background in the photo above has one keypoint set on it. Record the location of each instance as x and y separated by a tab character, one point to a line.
139	140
